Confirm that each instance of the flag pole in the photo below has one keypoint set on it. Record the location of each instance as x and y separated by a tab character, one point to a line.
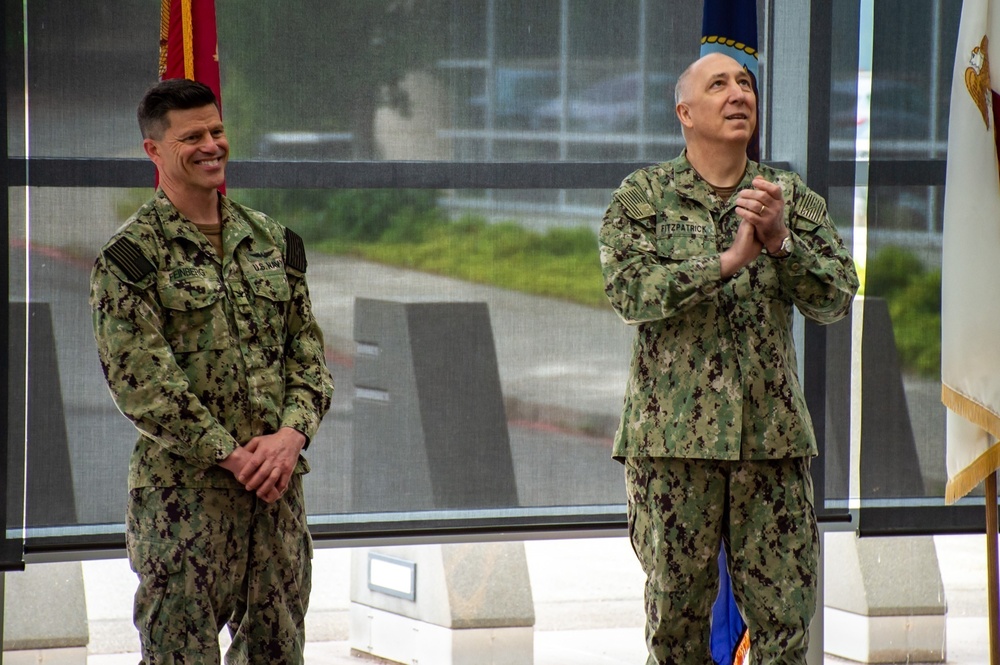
992	574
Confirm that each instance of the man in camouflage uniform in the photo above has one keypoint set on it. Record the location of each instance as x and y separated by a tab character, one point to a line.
707	255
208	341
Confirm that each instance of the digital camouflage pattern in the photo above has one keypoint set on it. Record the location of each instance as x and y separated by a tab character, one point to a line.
210	557
201	353
714	370
678	512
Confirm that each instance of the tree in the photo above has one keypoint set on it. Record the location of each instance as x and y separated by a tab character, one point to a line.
324	65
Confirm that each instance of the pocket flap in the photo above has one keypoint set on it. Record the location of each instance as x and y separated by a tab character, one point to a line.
156	557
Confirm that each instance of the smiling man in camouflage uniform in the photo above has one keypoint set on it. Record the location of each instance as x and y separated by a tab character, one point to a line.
707	255
207	338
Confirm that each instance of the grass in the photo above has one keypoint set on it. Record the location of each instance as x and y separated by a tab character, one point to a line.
560	263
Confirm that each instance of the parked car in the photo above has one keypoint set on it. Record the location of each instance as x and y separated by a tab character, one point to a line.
517	94
610	105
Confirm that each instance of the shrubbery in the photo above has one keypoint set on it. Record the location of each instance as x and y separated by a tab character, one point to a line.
407	228
350	215
913	294
560	263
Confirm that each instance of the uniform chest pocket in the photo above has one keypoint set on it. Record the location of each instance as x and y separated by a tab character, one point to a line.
270	304
194	315
272	286
682	246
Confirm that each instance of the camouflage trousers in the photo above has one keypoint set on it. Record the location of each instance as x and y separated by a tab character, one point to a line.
208	558
680	510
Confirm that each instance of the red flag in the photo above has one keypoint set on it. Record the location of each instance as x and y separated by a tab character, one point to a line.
189	44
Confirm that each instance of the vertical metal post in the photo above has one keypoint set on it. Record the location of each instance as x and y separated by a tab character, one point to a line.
818	176
3	577
4	268
992	575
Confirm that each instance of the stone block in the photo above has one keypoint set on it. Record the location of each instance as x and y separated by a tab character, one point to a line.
45	615
884	599
430	428
467	601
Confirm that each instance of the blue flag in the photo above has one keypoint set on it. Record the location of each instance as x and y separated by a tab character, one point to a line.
729	639
730	27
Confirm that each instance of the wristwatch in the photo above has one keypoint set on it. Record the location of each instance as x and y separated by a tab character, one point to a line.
786	247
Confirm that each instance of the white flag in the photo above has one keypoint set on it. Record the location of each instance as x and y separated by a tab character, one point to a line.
970	292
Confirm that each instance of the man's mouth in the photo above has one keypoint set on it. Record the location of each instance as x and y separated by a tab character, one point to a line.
210	163
738	116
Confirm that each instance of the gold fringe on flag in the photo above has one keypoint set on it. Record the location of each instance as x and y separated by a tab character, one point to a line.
188	24
164	36
974	474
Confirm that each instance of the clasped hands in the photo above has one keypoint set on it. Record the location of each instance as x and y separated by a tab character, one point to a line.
265	464
762	210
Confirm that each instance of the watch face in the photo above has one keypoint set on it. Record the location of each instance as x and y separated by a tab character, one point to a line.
787	244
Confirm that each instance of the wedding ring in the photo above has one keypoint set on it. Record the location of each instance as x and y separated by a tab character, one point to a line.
762	209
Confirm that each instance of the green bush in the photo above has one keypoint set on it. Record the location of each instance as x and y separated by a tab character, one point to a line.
407	228
891	271
350	215
913	294
560	263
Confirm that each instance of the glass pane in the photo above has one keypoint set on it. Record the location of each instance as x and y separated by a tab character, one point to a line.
88	65
531	256
844	112
14	462
79	442
903	318
513	81
445	81
911	83
561	353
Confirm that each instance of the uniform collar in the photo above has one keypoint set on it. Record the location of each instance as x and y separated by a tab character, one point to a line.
176	225
690	184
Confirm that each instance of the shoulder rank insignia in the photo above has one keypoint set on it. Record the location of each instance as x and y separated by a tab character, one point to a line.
125	254
635	202
295	251
812	207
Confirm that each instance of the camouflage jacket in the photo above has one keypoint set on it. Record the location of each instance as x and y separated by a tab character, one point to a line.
203	354
714	371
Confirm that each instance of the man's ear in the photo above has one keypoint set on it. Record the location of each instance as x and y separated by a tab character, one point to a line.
152	149
683	114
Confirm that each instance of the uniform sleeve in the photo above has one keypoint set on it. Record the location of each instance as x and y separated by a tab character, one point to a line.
308	383
819	276
147	384
641	284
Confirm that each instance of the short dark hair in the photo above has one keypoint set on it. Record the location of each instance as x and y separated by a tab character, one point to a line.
170	95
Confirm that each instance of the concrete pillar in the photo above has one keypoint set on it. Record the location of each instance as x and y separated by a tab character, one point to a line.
45	615
453	604
885	600
430	429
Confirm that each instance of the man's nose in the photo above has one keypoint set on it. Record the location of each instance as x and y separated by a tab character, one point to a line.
209	143
739	92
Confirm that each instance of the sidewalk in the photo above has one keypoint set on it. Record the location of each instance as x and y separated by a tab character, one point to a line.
587	595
